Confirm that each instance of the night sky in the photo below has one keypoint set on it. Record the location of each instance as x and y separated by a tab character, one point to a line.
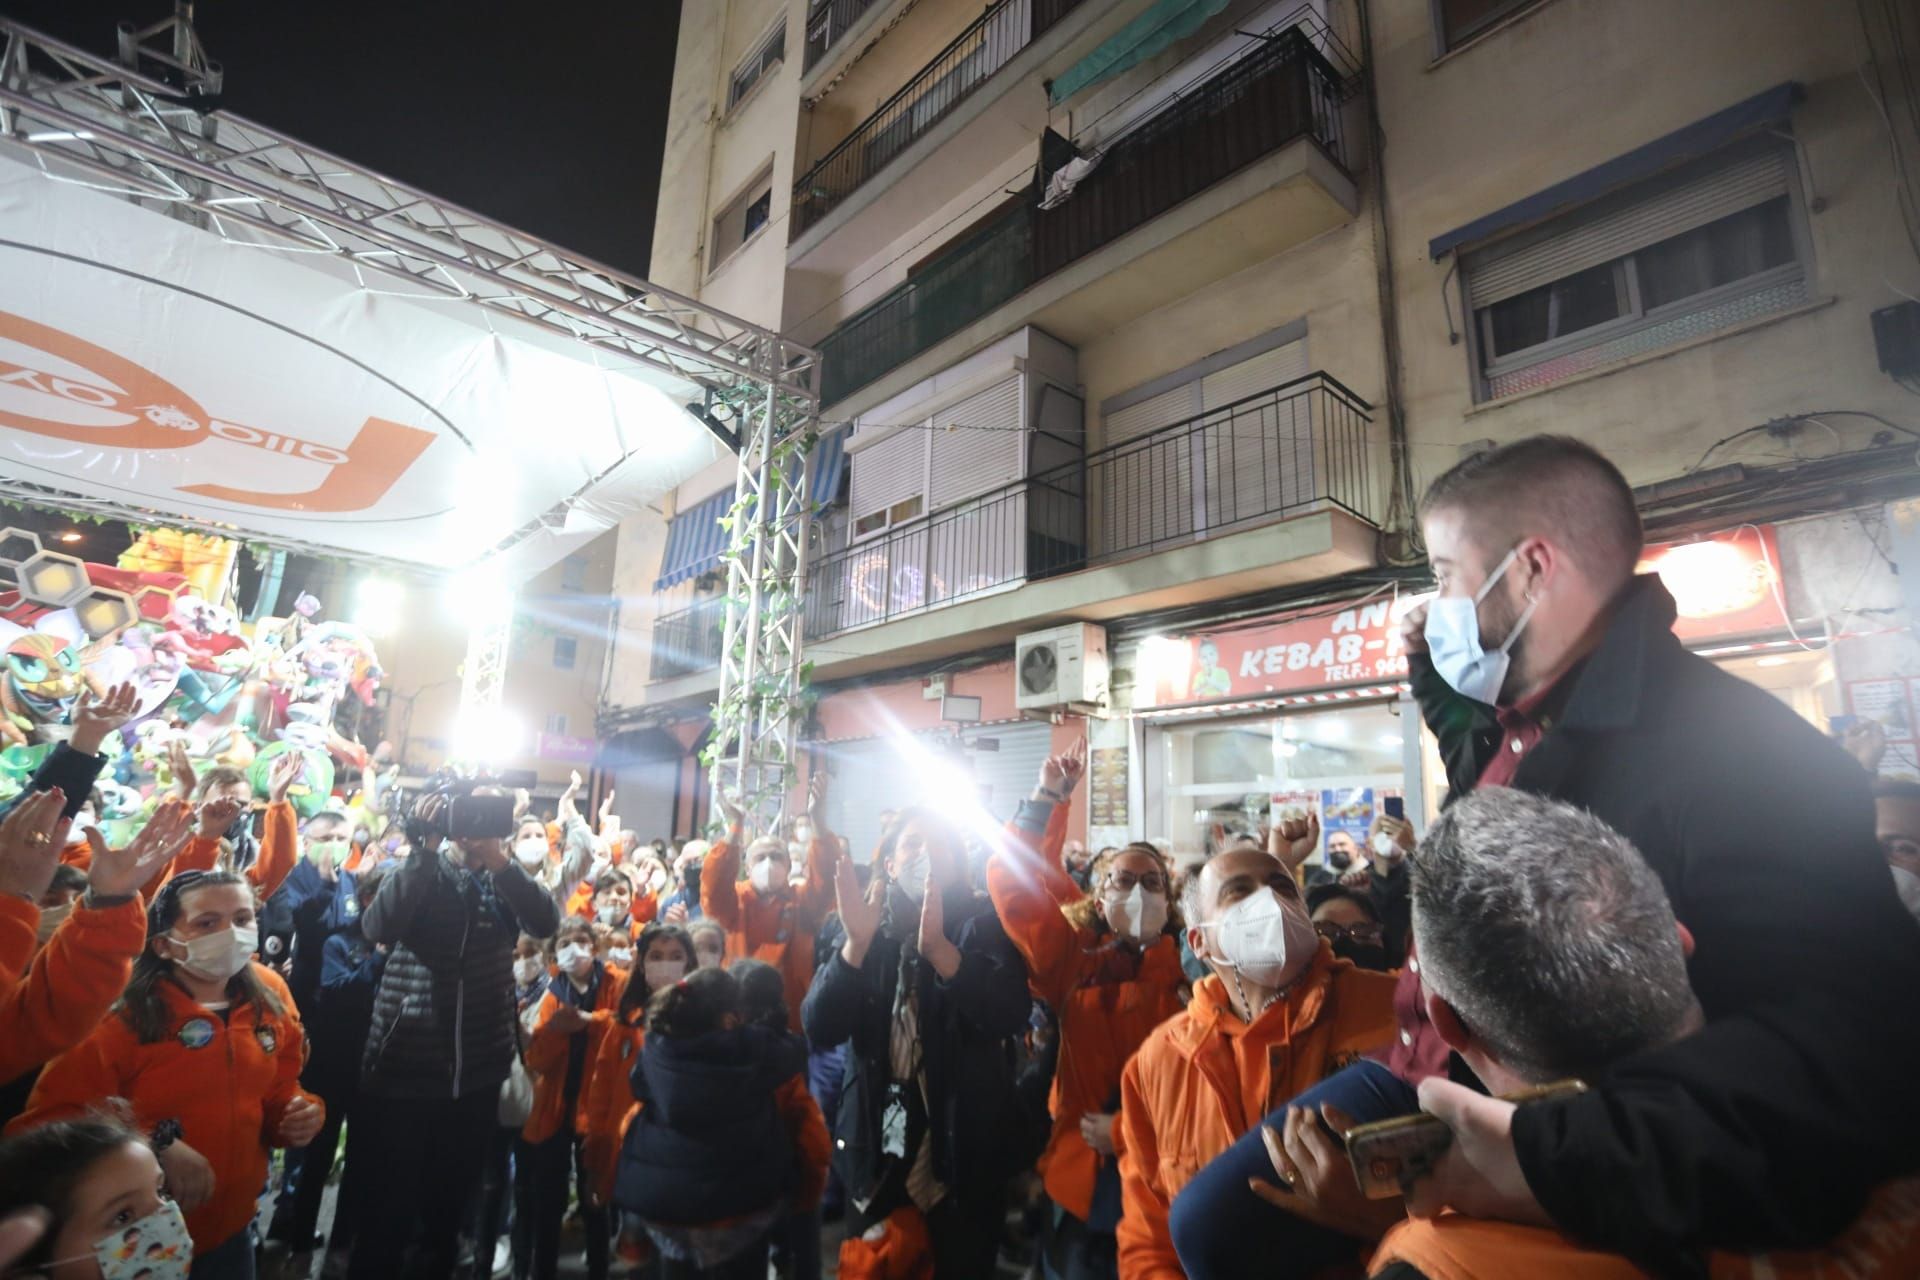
549	117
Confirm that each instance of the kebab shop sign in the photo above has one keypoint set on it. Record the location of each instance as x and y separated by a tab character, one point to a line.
1725	585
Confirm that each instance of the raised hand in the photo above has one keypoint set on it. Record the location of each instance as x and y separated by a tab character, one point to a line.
1073	764
1293	842
522	801
859	912
287	770
606	815
31	837
730	809
117	873
817	804
218	814
95	718
180	764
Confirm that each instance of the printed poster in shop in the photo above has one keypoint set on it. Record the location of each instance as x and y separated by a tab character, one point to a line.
1346	813
1883	701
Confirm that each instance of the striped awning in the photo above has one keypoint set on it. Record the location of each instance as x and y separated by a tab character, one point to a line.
829	461
1163	23
695	540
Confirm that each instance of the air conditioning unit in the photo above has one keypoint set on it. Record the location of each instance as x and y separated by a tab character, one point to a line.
1061	666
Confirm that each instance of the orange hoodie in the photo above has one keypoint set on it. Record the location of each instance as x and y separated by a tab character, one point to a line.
1204	1078
776	928
228	1081
608	1103
547	1054
71	983
279	847
1107	1006
1882	1244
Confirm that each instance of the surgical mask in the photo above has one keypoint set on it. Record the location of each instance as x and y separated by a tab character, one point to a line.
1453	640
1269	942
611	914
574	958
532	852
215	957
764	877
621	957
664	973
50	918
1908	885
1138	916
157	1247
709	957
911	875
526	970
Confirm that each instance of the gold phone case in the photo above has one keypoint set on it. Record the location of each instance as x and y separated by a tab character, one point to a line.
1389	1155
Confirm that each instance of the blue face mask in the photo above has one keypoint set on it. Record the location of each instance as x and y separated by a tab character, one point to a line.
1453	640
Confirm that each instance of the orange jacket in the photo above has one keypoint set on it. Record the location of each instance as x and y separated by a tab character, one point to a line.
812	1147
279	847
1882	1244
778	929
645	906
71	983
1204	1078
227	1081
608	1098
1104	1014
547	1053
901	1250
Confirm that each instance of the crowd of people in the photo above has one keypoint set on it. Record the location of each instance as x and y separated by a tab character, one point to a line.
1631	1005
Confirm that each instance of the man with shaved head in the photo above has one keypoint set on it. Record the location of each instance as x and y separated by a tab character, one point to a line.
1545	664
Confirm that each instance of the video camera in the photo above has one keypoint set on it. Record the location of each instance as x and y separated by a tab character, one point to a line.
468	814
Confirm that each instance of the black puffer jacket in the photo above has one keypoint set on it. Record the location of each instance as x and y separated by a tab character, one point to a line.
443	1021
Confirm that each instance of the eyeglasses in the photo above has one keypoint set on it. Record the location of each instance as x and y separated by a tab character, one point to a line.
1365	935
1124	881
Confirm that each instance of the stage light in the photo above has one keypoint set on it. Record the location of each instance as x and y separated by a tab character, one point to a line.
487	736
481	595
72	535
376	605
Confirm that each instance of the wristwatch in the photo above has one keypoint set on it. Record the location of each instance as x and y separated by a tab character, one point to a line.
164	1135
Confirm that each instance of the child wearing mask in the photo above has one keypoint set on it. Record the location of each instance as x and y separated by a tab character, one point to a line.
574	1016
763	1003
665	955
708	1163
99	1192
709	944
509	1152
206	1050
1109	964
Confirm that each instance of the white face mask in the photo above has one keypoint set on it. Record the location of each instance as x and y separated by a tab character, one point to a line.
1453	640
526	969
50	918
157	1247
664	973
709	958
766	874
574	958
612	913
1268	941
1909	886
620	957
910	873
1138	916
217	956
532	852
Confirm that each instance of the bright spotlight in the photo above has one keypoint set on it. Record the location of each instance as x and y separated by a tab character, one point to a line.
376	605
487	736
480	595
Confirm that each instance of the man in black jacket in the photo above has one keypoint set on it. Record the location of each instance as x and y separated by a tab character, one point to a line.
931	993
441	1042
1768	1127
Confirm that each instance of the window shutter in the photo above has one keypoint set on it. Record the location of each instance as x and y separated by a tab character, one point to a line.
888	472
1267	370
977	443
1151	414
1259	455
1495	274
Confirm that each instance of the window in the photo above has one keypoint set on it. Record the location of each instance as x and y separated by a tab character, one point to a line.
767	55
899	513
557	724
1457	21
742	219
573	573
1715	245
565	650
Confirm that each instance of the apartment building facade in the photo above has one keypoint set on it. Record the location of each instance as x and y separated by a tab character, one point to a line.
1142	320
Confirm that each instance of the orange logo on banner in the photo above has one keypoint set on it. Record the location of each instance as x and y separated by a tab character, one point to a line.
152	413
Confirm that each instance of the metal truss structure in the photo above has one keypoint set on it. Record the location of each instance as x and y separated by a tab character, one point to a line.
146	127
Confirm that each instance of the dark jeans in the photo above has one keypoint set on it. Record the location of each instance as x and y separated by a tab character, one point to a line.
553	1161
231	1259
749	1264
798	1235
498	1191
1221	1229
417	1164
1071	1250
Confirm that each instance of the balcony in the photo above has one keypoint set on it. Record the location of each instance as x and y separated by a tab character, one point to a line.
828	22
689	640
1284	93
1289	451
993	40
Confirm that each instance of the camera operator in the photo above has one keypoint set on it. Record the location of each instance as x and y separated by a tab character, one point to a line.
442	1036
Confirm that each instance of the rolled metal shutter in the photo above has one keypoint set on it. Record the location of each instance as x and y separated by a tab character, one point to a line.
1495	274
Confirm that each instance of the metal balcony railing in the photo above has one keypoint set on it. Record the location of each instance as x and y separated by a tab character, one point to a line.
689	640
1283	91
1280	452
826	23
988	44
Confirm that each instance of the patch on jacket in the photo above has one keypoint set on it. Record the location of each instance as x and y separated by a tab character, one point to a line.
196	1033
269	1041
